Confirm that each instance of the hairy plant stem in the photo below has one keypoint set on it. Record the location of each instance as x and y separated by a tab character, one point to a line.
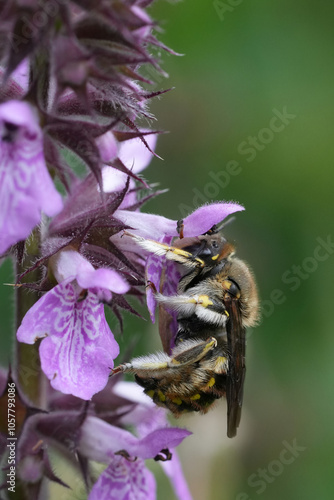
27	364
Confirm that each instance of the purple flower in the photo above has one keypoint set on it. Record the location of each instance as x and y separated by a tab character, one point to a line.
125	478
100	440
26	188
198	222
133	154
146	416
173	470
83	104
78	347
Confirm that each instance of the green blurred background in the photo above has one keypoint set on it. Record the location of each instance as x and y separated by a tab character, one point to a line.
244	63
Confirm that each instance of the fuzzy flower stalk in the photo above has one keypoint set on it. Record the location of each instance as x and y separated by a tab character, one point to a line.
72	149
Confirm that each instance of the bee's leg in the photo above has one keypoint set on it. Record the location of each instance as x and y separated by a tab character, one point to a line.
187	304
203	307
187	353
177	302
180	228
170	252
153	362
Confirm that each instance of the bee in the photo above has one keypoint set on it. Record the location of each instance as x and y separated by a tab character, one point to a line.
216	299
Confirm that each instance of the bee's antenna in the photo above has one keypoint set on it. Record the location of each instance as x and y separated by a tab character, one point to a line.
218	227
226	223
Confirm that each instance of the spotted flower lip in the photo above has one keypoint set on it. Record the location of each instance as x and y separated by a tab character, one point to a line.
26	188
124	480
78	348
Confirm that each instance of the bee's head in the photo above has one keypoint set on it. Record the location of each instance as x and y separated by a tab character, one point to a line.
211	248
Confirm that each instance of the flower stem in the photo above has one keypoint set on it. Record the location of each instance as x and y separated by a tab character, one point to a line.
27	364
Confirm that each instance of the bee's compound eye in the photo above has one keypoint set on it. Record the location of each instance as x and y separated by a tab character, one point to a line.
232	288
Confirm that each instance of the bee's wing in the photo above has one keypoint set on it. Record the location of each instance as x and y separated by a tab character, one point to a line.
169	280
237	369
167	328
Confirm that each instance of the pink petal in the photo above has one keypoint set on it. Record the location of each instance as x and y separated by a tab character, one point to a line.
124	480
79	348
69	263
43	189
132	392
107	145
21	114
17	217
154	267
21	74
66	264
173	469
100	440
145	415
112	179
26	187
135	155
155	227
102	278
201	220
150	226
